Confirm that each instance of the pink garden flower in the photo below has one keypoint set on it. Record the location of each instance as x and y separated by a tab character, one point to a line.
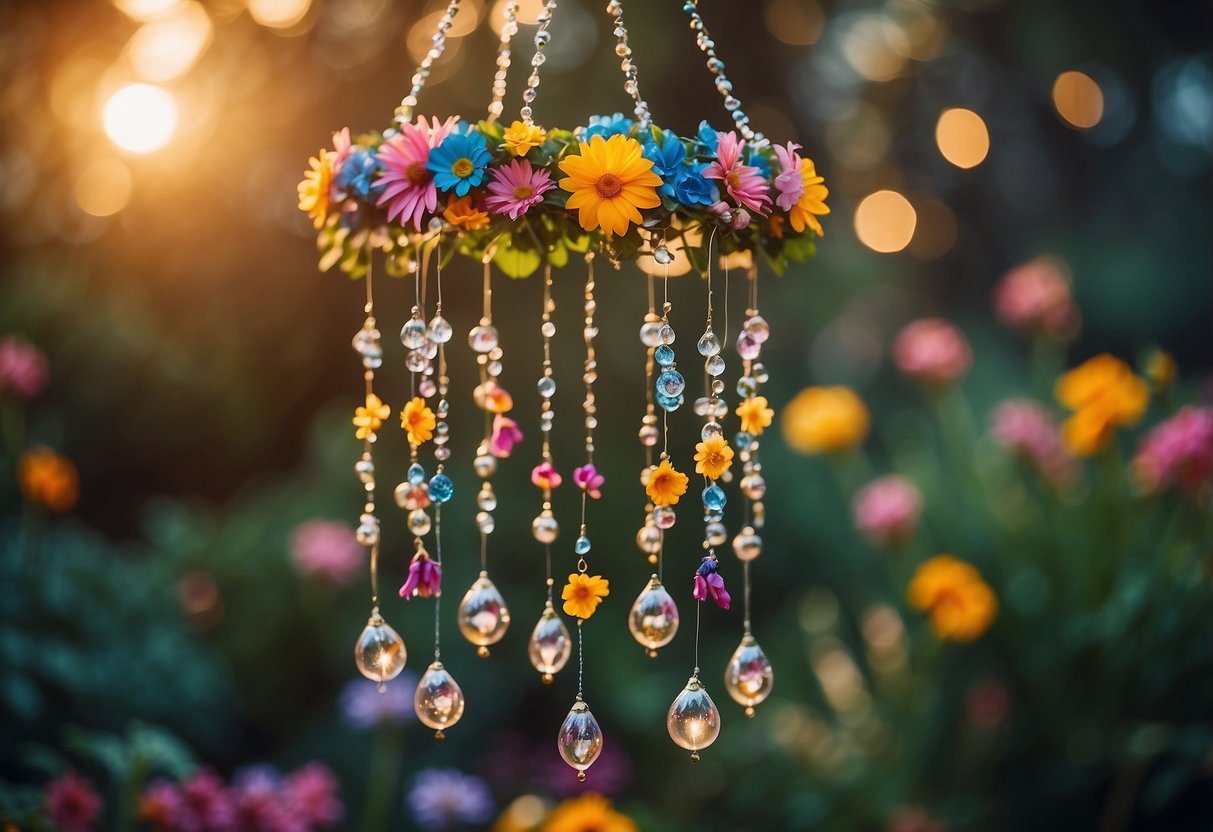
506	435
342	145
1026	428
744	183
206	804
1036	296
408	188
328	549
23	367
886	510
709	584
311	794
1177	451
932	350
71	803
789	182
545	476
515	187
160	805
589	480
424	579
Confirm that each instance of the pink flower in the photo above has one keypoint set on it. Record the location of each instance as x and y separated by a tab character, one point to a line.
424	578
23	367
789	182
1036	296
160	805
328	549
505	436
71	802
515	187
408	188
259	805
1177	451
206	804
886	510
932	350
589	480
741	218
342	145
743	182
1026	428
311	793
545	476
709	583
987	704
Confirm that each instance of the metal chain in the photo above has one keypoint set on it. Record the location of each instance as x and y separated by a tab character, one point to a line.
542	38
404	113
630	84
508	30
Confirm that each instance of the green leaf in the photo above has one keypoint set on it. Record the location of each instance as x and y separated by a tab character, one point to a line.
515	262
558	255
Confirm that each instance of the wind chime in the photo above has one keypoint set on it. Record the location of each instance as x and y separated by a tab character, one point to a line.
525	199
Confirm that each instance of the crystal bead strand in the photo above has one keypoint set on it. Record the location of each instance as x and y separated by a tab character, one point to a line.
542	38
508	29
624	50
723	85
712	446
404	113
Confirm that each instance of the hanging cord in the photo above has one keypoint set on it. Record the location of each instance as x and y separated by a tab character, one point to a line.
630	83
542	38
508	30
368	376
404	113
716	66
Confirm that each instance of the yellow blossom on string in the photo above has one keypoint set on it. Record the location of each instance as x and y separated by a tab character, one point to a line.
755	415
961	605
369	418
588	813
825	420
713	457
462	213
583	593
812	202
666	485
315	187
418	421
520	138
1104	394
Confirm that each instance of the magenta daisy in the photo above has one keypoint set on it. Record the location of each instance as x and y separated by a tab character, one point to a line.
743	182
515	187
408	188
789	182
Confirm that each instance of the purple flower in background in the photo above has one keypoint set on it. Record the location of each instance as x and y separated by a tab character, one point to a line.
71	802
441	798
610	775
709	583
311	793
23	367
364	707
258	802
205	805
327	548
1179	450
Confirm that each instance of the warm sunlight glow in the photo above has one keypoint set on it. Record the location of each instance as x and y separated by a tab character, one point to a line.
278	14
962	137
1078	99
140	118
104	187
885	221
166	49
145	10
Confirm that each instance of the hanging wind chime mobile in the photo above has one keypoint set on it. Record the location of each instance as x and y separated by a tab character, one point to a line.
524	199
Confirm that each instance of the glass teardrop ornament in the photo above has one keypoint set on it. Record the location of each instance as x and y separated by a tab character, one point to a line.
413	333
379	653
550	645
580	738
653	619
483	615
439	700
748	677
693	721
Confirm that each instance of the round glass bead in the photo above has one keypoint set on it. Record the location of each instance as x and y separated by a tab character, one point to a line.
747	545
442	453
649	435
664	355
710	430
758	328
668	403
485	465
671	384
416	474
426	388
760	373
419	523
650	333
415	361
713	498
663	255
548	329
544	527
664	517
582	545
413	333
748	346
368	530
365	469
714	365
440	330
546	387
702	406
746	386
441	488
716	534
666	334
717	386
742	440
486	500
709	344
372	357
482	339
648	539
484	522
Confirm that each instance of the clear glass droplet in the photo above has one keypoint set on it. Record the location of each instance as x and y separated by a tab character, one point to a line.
653	619
483	616
486	499
664	517
483	339
413	333
550	645
709	344
439	699
664	355
693	721
440	330
650	333
648	539
545	528
663	255
714	365
546	387
747	545
758	328
580	738
666	334
710	430
582	545
748	677
379	653
671	383
748	347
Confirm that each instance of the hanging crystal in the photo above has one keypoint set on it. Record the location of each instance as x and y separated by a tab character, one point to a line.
693	721
580	738
379	653
748	677
483	615
439	700
550	645
653	619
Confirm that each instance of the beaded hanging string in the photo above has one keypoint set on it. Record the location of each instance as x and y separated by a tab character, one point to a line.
404	112
624	50
508	29
716	66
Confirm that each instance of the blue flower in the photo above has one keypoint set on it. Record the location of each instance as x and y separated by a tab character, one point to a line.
458	163
756	159
695	189
668	157
707	137
607	126
357	172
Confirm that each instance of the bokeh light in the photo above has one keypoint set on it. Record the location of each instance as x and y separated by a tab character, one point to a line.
795	22
103	187
1078	99
278	14
962	137
935	230
140	118
166	49
866	48
528	12
885	221
146	10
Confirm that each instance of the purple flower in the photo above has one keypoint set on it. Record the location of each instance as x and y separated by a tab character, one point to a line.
327	548
709	583
611	773
441	798
589	480
258	802
23	367
71	802
364	707
311	794
505	436
425	577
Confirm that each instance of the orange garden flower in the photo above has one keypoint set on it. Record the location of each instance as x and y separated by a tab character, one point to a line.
461	212
961	605
48	479
583	593
588	813
369	418
1104	394
608	184
713	457
666	485
495	398
825	420
520	138
314	189
755	415
418	421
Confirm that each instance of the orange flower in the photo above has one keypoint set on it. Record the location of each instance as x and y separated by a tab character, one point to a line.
369	418
1104	393
496	399
812	202
48	479
755	415
588	813
418	421
666	485
583	593
462	213
713	457
825	420
961	605
519	137
609	181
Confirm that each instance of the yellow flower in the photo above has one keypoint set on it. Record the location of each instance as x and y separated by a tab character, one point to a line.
418	421
583	593
960	603
461	213
666	485
1104	393
370	418
609	182
755	415
1160	369
48	479
825	420
713	457
314	189
812	201
520	138
589	813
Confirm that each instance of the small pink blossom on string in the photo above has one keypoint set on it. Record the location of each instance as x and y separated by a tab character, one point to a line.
708	583
744	183
545	476
589	480
789	183
424	579
506	435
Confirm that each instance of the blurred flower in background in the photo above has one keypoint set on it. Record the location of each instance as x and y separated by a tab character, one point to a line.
71	803
589	812
886	510
327	549
363	707
959	603
825	420
1036	297
1178	451
442	798
1025	428
48	479
23	368
1104	394
932	351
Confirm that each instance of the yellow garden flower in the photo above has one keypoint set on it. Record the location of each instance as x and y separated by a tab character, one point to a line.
1104	394
48	479
462	213
314	189
609	182
418	421
369	418
588	813
583	593
812	202
825	420
1160	369
666	485
713	457
961	605
519	137
755	415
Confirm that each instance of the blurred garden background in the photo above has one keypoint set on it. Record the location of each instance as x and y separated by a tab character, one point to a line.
986	584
